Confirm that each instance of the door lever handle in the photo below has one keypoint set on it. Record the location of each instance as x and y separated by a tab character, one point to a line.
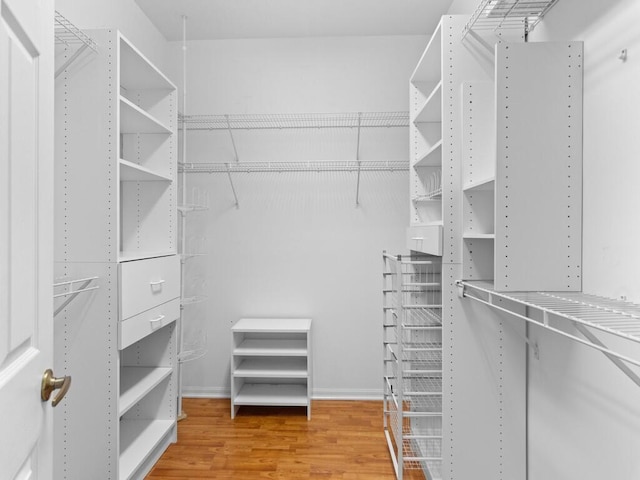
51	383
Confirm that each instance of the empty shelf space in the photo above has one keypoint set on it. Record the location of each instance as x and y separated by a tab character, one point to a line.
479	185
429	67
276	367
138	440
432	157
138	73
132	172
136	382
271	347
134	119
272	394
431	111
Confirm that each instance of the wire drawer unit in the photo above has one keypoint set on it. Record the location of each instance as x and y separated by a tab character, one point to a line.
412	343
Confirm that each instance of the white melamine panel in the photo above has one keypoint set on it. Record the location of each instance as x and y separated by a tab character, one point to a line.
477	257
138	439
478	133
285	367
271	347
431	111
137	72
425	239
147	283
539	174
484	396
431	157
134	119
429	66
272	325
132	172
136	382
139	326
272	394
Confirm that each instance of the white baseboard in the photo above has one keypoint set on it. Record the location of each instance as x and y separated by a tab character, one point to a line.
318	393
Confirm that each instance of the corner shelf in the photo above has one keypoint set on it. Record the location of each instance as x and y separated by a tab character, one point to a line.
431	111
480	185
431	158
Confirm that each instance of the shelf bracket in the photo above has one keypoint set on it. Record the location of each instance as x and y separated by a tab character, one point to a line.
358	159
233	189
233	142
616	361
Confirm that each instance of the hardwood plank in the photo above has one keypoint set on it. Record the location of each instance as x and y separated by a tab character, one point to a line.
344	440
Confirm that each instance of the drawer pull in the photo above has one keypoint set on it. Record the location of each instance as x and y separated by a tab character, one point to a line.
156	322
156	286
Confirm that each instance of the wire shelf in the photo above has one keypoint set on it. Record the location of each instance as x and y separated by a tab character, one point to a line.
586	312
66	33
282	167
295	120
499	14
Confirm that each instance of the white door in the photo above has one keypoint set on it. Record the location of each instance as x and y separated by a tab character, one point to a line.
26	236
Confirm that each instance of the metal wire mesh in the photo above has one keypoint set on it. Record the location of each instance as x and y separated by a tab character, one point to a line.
295	120
315	166
498	14
66	33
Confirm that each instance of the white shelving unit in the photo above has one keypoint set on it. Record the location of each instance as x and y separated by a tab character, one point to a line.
271	363
412	348
522	178
123	228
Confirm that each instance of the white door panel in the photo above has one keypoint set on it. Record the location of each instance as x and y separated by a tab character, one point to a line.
26	260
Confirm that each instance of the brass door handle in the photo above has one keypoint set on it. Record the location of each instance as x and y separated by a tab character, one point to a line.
51	383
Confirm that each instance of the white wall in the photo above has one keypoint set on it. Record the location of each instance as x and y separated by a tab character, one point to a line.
583	413
125	15
298	246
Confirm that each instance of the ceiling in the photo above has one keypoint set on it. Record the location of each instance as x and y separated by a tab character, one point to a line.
220	19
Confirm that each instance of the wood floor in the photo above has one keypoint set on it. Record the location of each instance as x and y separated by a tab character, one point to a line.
343	440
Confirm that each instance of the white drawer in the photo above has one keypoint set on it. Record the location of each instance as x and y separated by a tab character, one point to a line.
425	239
147	283
145	323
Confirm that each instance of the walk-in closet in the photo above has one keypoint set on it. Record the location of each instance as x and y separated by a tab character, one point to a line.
300	239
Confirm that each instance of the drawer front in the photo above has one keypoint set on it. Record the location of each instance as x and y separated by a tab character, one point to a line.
425	239
145	284
145	323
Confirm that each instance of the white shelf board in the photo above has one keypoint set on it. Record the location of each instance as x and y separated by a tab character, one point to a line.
288	367
479	236
271	347
273	325
184	209
271	394
138	440
138	73
131	256
429	66
132	172
133	119
485	184
431	111
437	223
136	382
431	158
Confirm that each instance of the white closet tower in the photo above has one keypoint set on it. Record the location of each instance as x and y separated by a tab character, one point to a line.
116	149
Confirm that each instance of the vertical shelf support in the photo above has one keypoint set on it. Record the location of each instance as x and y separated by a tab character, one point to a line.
233	142
233	189
358	159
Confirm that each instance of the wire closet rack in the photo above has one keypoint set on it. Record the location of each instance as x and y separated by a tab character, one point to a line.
412	323
295	120
588	314
505	14
70	36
